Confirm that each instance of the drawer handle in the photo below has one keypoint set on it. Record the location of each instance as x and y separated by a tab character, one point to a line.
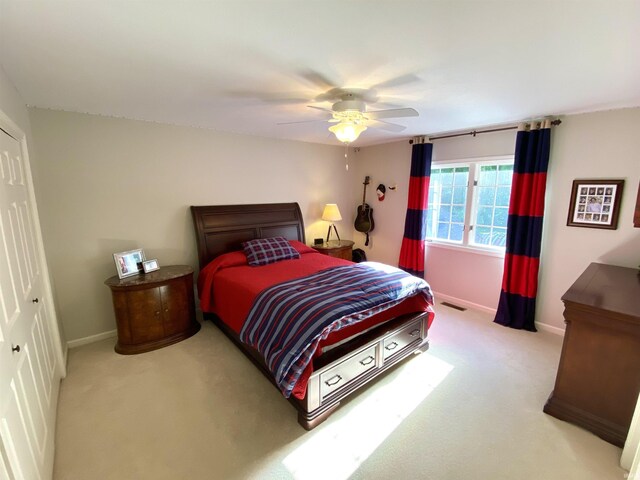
391	346
333	381
415	332
35	300
367	361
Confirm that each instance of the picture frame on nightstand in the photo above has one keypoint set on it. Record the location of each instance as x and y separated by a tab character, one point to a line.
150	265
129	263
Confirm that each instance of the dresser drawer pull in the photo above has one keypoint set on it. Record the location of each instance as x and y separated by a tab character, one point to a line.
367	361
333	381
391	346
416	332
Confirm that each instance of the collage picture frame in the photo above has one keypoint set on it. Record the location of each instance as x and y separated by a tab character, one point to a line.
595	203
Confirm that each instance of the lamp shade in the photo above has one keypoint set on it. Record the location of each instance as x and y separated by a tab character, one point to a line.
347	132
331	213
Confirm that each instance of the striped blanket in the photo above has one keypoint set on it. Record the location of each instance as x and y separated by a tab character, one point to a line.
288	320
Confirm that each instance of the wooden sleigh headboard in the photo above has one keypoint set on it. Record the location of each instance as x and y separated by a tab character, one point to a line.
223	228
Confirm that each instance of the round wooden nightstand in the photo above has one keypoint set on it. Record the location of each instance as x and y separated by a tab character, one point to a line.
153	310
336	248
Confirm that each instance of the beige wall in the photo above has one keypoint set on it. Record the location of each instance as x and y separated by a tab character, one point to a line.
595	145
109	185
12	105
388	164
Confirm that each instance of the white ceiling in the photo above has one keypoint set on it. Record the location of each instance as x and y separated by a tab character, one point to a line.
244	66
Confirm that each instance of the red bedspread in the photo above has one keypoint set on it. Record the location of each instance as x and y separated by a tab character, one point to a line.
228	287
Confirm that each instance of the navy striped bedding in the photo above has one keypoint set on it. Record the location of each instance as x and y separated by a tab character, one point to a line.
288	320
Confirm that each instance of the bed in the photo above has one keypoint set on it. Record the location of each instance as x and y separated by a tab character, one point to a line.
341	363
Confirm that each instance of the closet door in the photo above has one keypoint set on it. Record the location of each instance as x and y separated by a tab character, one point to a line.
29	375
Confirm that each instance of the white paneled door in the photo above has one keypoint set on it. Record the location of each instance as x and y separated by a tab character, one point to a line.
29	368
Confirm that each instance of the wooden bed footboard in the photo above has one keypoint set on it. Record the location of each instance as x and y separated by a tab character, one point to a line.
341	371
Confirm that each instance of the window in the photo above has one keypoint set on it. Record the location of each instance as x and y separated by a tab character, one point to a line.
469	203
447	203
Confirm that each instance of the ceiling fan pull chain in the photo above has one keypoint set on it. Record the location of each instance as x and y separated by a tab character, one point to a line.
346	157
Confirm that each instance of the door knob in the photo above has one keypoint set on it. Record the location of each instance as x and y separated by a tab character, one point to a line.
16	348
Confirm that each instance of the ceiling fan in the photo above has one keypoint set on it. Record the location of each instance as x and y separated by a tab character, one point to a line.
350	114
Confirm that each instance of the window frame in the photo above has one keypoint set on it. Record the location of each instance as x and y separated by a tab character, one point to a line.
471	204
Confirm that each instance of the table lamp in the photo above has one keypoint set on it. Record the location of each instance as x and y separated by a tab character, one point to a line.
331	214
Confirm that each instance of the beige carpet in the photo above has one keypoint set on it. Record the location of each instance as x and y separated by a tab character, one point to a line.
469	408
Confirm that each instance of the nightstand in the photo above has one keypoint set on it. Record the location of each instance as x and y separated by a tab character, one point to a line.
336	248
153	310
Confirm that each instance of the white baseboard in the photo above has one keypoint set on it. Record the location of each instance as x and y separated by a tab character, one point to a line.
550	329
463	303
483	308
91	339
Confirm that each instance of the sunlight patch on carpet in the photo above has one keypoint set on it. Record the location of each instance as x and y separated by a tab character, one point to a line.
337	448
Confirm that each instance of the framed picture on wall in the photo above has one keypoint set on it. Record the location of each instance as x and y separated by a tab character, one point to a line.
129	263
595	203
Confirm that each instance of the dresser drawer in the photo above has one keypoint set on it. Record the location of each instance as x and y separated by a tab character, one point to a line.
396	342
340	375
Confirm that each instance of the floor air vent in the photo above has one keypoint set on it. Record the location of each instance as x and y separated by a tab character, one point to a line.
451	305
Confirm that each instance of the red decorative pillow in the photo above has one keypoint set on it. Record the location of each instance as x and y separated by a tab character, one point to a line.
263	251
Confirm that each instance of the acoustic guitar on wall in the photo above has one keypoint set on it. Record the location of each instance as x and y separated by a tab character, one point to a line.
364	217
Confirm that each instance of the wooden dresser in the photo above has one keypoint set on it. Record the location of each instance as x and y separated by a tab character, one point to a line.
336	248
154	309
598	377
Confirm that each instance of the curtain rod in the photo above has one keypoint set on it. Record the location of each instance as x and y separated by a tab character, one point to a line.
476	132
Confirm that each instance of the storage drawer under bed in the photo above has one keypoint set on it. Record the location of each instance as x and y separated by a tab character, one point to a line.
396	342
353	370
338	376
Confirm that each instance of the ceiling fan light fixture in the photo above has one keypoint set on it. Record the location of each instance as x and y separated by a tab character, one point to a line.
347	132
350	125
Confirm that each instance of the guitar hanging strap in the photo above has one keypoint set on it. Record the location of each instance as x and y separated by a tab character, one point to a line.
366	242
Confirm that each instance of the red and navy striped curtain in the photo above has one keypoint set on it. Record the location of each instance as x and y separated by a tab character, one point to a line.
415	227
517	306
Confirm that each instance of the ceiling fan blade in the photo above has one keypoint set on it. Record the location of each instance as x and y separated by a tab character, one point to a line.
390	127
397	81
274	97
321	108
303	121
317	79
392	113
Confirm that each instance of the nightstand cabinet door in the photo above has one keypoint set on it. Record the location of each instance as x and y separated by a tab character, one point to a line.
345	253
177	298
138	315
